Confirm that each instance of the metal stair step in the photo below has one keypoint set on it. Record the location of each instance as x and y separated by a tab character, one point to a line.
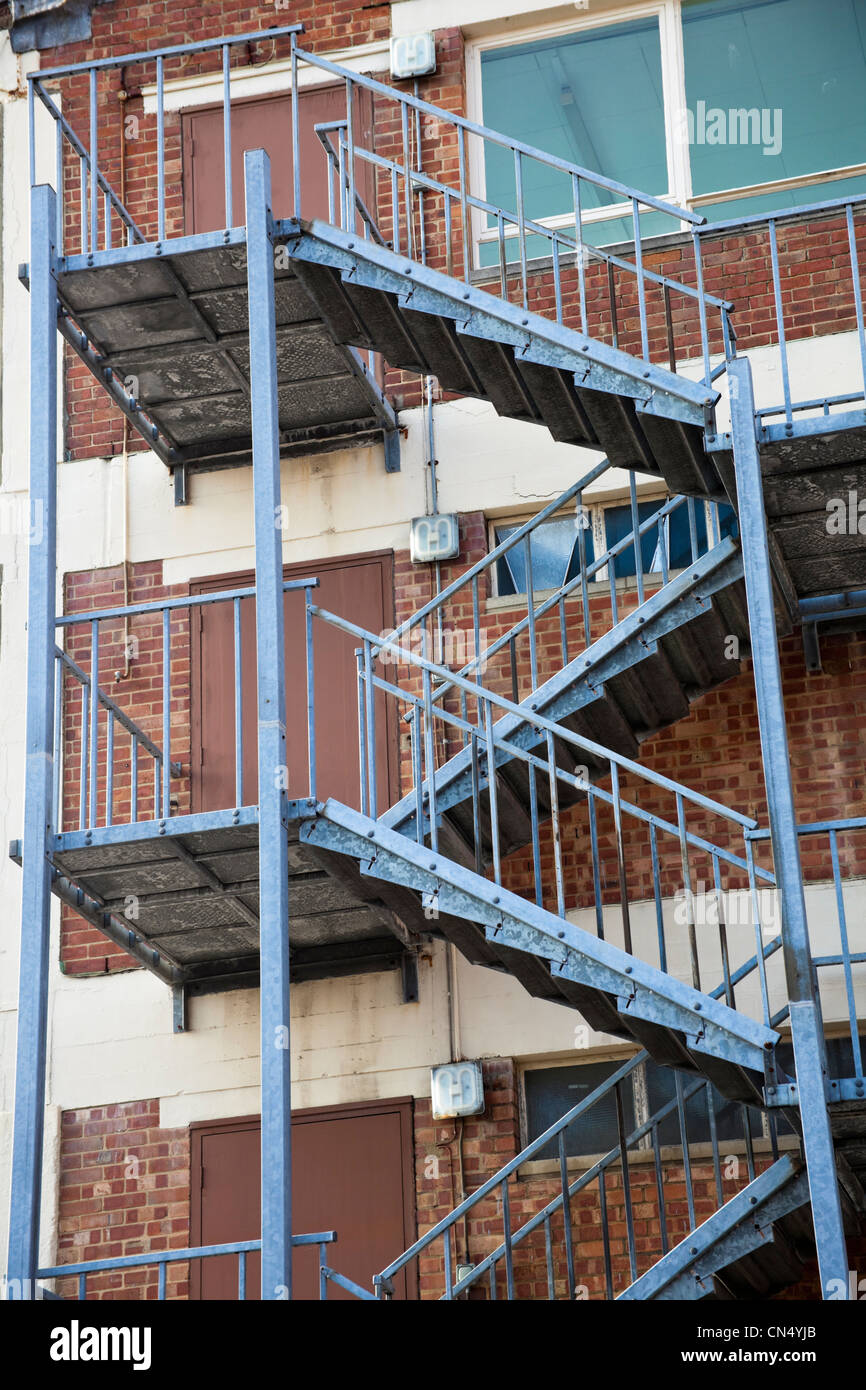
494	366
559	405
619	431
560	951
440	344
649	694
385	326
498	341
743	1244
685	466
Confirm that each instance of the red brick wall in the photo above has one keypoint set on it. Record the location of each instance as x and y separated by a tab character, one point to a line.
124	1190
85	951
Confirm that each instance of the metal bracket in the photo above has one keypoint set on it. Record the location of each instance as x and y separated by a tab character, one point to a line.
180	475
844	1088
391	439
409	976
178	1009
812	647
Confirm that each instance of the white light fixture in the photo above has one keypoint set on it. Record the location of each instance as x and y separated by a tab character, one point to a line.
457	1089
434	538
413	55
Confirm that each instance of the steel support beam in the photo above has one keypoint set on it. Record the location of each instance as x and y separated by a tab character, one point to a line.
802	981
272	757
29	1111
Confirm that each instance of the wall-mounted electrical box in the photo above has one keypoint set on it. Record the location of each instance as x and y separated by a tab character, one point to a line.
457	1089
434	538
413	55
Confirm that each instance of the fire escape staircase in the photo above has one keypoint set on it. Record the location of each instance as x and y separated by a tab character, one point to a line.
354	292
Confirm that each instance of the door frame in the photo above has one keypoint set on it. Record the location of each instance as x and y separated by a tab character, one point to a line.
244	579
403	1105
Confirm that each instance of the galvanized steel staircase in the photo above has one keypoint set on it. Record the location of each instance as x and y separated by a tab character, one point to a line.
637	678
583	391
611	988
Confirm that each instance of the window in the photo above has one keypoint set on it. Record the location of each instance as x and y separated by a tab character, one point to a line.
554	554
555	544
731	106
564	95
840	1056
730	1116
549	1092
774	90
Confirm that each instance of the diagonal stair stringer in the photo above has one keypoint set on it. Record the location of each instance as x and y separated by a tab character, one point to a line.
581	682
476	312
640	989
743	1225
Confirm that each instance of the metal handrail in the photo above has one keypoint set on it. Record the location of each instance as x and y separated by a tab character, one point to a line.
241	1248
496	1186
533	718
486	750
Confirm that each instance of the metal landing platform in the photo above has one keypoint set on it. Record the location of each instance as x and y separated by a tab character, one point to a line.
182	896
168	335
806	478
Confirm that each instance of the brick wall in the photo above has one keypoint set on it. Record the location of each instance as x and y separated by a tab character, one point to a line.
124	1190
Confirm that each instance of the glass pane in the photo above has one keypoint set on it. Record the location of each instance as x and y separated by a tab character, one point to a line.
552	1091
680	534
554	556
592	98
618	523
774	89
609	231
662	1087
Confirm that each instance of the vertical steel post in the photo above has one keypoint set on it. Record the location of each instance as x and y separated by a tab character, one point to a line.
29	1111
272	757
806	1023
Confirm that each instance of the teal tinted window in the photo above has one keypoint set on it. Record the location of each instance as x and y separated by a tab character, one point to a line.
593	98
774	90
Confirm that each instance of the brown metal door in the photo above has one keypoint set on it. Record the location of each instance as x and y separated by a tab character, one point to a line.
266	123
352	1172
359	589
